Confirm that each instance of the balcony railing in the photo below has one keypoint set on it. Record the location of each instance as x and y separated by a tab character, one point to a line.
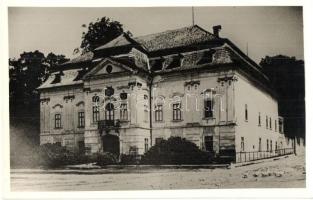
104	126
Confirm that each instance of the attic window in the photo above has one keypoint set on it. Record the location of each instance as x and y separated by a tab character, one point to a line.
157	64
207	57
57	78
176	62
109	69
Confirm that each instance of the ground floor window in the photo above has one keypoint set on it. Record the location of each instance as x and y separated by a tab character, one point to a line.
260	144
208	142
81	147
158	140
242	144
146	144
267	145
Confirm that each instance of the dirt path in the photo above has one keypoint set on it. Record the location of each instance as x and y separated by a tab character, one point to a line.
284	172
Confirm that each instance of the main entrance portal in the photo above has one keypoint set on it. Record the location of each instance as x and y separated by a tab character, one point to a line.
111	144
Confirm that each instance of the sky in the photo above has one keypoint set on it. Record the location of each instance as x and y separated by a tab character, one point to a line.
258	31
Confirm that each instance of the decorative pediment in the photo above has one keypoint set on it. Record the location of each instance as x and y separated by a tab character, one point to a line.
80	103
109	66
57	105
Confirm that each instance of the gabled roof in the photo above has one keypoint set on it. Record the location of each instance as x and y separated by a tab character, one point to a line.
82	58
121	40
126	65
66	78
191	35
181	37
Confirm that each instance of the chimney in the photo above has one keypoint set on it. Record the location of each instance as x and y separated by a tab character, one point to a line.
216	30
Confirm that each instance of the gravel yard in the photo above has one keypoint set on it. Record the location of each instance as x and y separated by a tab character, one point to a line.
284	172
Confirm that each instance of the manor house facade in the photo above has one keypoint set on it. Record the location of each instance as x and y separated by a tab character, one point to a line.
130	93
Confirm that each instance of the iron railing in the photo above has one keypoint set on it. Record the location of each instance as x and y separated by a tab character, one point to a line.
258	155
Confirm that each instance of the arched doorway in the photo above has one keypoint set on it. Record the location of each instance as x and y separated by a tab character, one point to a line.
111	144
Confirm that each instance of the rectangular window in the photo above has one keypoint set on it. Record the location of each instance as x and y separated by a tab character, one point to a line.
158	140
146	144
260	144
95	114
246	112
159	113
275	125
266	122
276	146
280	125
270	123
242	144
208	108
267	145
177	111
81	119
259	119
123	112
81	147
208	142
146	113
57	121
271	146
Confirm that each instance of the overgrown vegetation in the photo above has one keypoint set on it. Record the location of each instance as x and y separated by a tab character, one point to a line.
48	156
175	151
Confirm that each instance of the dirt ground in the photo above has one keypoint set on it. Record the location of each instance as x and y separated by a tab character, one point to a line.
285	172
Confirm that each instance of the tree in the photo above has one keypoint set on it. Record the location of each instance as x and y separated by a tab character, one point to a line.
99	33
26	73
287	77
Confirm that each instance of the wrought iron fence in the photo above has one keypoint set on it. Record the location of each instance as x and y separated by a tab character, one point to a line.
258	155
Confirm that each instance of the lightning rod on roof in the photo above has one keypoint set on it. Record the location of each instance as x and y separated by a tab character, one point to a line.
193	16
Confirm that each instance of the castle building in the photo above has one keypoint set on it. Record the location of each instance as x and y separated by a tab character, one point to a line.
132	92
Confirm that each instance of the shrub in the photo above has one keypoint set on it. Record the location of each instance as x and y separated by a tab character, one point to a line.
175	150
53	155
129	159
106	158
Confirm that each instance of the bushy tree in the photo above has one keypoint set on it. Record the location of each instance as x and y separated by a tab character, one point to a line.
99	33
287	78
175	150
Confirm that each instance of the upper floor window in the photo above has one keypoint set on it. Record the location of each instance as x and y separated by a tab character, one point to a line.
57	121
81	119
270	123
280	125
267	145
109	111
271	146
159	113
266	122
208	108
275	125
146	113
177	111
246	112
259	119
123	111
242	144
95	109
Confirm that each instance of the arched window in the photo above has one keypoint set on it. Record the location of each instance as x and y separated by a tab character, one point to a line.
95	108
208	104
109	111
